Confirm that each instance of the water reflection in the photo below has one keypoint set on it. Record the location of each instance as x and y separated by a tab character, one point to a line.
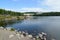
6	23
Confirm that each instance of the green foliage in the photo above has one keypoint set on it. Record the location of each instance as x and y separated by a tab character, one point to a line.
18	18
12	29
12	13
48	14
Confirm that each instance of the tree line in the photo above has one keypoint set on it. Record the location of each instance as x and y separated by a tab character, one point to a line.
8	12
48	14
13	13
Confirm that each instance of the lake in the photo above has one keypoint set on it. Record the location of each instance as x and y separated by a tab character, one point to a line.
36	24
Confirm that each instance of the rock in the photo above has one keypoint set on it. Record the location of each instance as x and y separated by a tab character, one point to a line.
1	28
44	33
10	36
22	36
30	36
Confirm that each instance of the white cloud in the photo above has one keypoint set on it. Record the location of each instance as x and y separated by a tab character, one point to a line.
53	4
32	10
29	10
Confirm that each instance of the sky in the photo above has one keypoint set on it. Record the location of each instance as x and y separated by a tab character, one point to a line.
31	5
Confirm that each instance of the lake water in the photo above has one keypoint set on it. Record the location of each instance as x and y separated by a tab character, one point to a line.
34	25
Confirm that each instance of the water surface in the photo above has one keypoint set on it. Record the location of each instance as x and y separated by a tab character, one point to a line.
34	25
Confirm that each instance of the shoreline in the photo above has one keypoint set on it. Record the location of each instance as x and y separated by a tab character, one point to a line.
5	18
21	35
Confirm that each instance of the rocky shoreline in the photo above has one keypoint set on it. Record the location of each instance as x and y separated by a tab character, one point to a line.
8	34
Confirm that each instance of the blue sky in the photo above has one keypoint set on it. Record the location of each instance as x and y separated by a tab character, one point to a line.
30	5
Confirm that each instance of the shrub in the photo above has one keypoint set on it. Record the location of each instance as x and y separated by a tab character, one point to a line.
12	29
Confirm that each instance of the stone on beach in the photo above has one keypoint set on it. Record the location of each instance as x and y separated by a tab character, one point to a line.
22	36
10	36
1	27
44	33
30	36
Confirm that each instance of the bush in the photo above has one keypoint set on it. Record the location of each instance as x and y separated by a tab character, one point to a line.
12	29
